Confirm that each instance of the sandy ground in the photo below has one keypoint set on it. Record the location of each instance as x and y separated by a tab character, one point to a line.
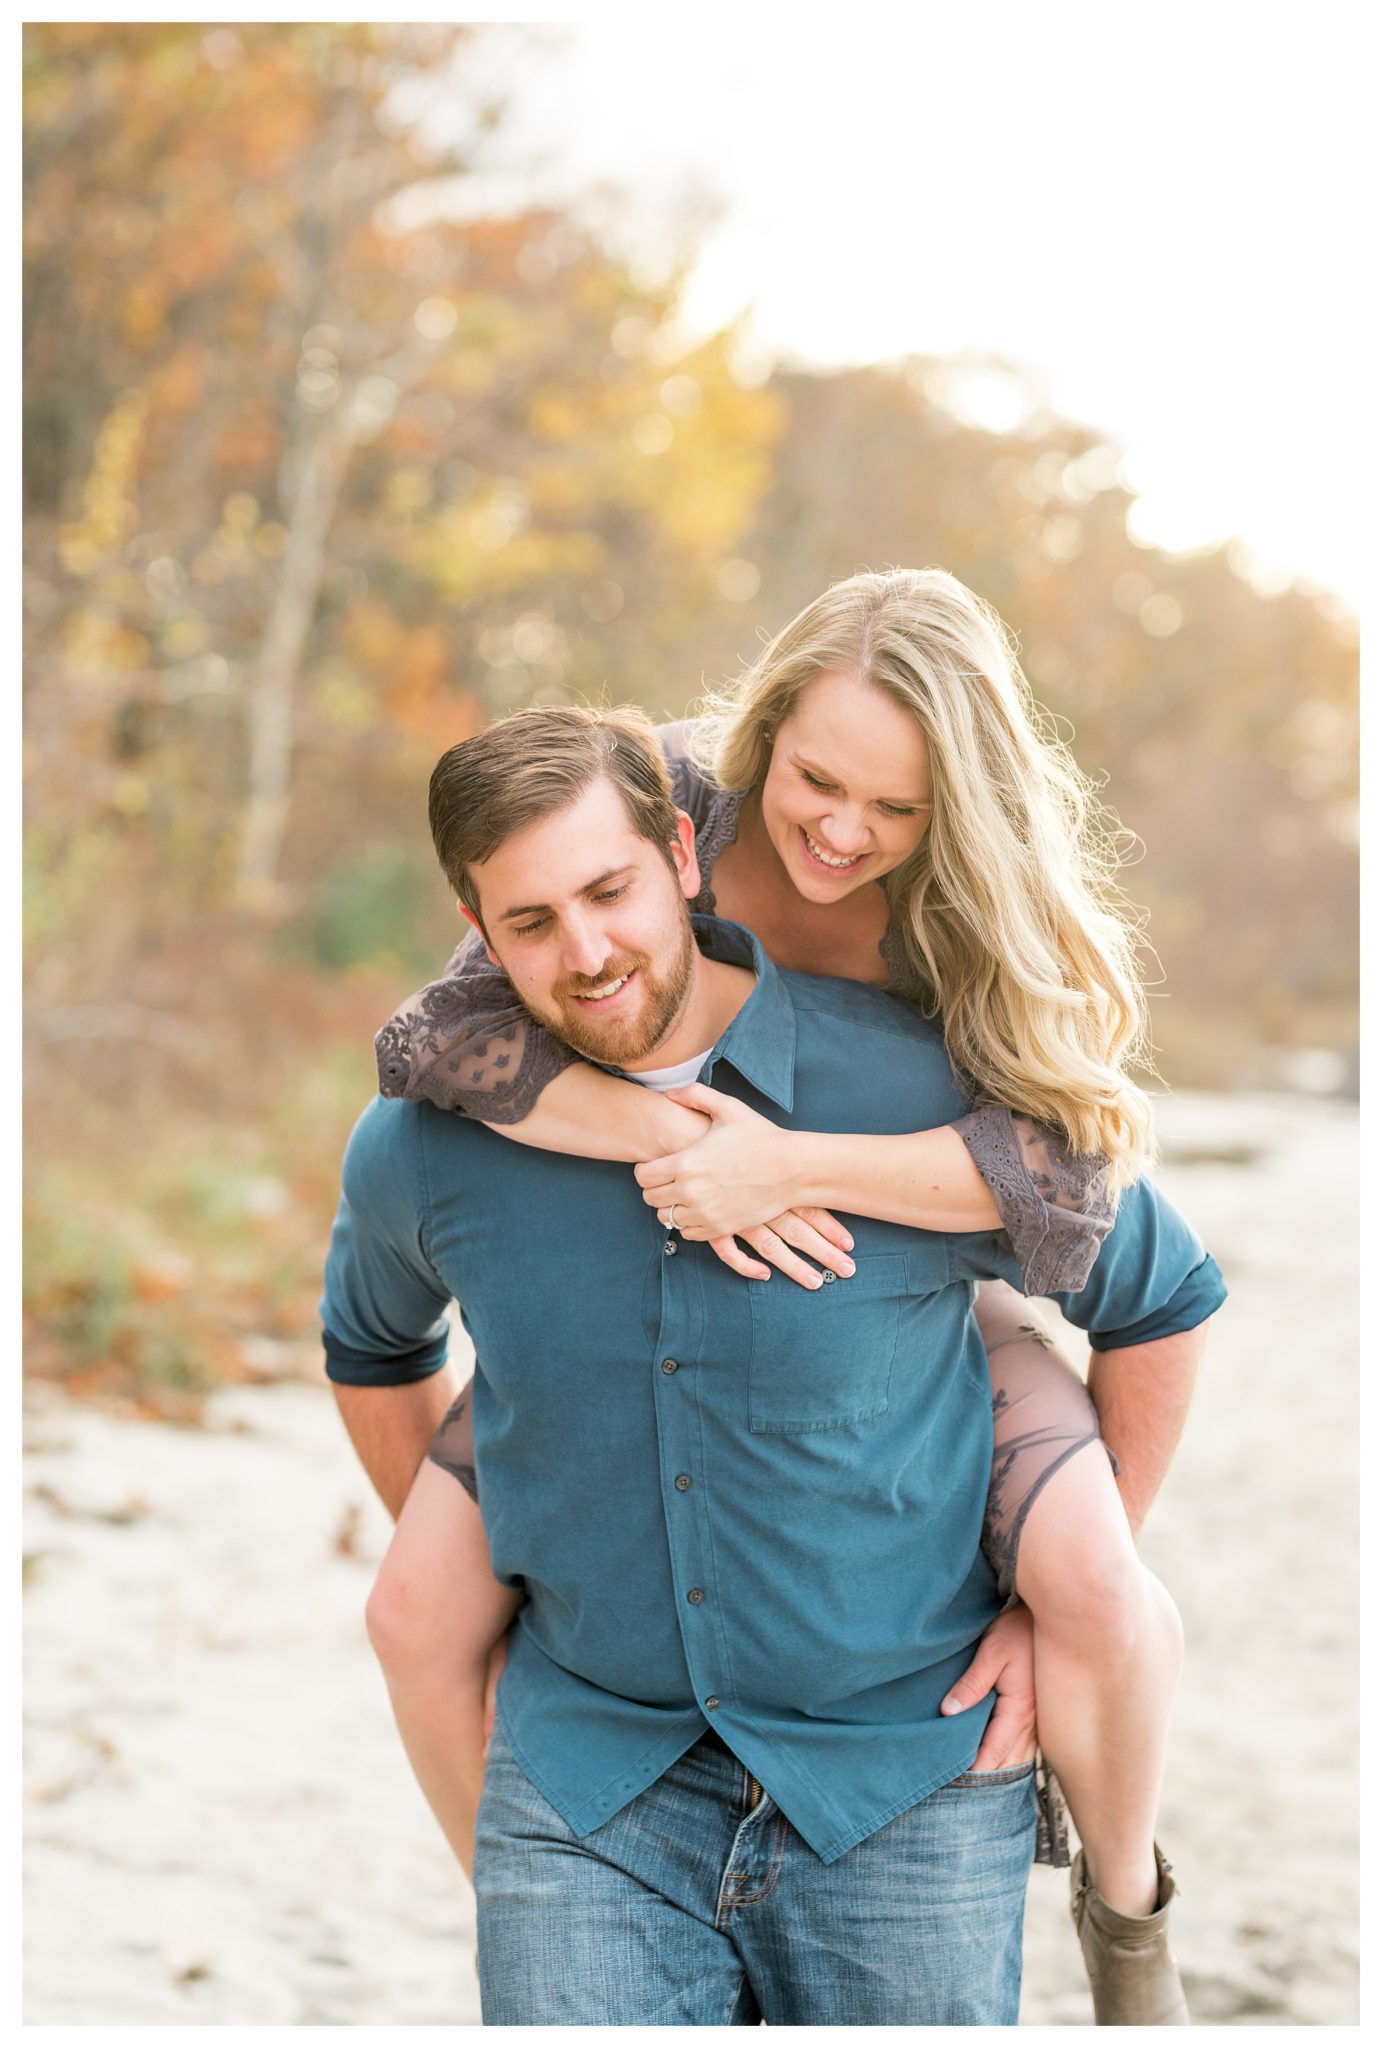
221	1828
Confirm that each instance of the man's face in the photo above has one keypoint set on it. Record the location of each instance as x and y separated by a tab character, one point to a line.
589	921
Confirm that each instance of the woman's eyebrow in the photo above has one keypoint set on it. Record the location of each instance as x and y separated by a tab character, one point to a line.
900	803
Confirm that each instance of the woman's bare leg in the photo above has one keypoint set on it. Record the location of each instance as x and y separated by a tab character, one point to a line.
435	1615
1108	1647
1107	1638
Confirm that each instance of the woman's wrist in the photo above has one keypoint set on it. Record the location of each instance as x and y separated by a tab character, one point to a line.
667	1126
805	1169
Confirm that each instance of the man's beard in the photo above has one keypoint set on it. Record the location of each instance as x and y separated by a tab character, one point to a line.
620	1039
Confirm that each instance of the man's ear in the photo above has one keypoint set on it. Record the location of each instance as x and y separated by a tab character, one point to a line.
683	852
471	918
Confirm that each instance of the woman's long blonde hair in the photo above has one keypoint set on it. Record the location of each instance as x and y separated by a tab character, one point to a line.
1015	933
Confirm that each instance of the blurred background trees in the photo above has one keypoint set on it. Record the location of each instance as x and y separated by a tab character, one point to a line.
323	467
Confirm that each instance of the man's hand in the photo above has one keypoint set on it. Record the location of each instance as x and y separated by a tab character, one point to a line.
1003	1659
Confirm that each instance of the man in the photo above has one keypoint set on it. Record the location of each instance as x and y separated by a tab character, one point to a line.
746	1517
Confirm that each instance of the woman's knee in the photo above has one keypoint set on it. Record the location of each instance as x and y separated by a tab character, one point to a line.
1105	1605
1093	1601
400	1631
386	1622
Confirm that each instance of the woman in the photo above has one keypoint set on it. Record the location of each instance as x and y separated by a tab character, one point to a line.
874	800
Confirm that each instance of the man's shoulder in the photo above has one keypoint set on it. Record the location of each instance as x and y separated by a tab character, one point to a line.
859	1003
386	1150
877	1058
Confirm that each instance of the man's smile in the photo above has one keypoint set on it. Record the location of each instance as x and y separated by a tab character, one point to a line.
605	996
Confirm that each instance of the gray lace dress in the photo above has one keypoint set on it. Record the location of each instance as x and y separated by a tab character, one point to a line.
466	1044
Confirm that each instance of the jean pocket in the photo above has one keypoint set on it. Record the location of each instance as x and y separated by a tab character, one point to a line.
1011	1775
825	1357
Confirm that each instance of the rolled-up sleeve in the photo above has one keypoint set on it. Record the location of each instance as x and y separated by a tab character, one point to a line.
383	1310
1152	1278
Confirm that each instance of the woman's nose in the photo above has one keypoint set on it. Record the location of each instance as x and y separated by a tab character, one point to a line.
842	832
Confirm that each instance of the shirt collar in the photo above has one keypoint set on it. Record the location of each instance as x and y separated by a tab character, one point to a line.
761	1041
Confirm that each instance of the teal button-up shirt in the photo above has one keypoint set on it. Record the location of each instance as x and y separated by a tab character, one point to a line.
729	1502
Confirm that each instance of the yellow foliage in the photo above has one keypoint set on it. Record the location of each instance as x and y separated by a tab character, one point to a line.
240	512
184	636
552	416
409	492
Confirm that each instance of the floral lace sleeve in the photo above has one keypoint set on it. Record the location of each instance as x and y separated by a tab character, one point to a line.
1055	1203
466	1043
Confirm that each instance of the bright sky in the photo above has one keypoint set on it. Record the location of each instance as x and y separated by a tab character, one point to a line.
1158	209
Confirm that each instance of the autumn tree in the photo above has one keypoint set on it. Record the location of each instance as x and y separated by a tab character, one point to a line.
321	468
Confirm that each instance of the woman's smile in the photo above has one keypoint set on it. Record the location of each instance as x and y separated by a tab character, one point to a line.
834	864
847	796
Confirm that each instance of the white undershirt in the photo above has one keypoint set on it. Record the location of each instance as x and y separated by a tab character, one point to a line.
663	1078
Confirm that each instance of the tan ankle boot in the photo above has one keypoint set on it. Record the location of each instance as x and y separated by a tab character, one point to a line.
1132	1972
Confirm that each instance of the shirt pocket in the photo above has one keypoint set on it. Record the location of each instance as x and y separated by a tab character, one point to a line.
820	1359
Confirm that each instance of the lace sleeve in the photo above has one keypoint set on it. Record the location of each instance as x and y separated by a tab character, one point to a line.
1055	1203
691	787
466	1043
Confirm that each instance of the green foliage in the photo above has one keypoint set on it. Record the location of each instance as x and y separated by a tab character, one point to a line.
369	910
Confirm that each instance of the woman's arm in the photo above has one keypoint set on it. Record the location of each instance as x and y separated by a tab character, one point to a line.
595	1115
992	1170
925	1178
739	1171
466	1044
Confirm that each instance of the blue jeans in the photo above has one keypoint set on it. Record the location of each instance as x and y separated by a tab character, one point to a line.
700	1905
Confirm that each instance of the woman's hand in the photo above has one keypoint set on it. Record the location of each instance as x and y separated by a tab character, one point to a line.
736	1182
737	1175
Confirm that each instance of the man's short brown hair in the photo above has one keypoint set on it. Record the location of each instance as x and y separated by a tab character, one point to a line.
536	762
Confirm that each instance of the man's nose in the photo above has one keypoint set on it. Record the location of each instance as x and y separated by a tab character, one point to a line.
585	948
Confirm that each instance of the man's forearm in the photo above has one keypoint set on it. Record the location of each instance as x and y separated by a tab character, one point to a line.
391	1428
1143	1397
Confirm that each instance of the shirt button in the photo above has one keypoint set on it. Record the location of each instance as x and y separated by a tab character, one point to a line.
669	1250
827	1275
712	1703
695	1596
682	1481
669	1365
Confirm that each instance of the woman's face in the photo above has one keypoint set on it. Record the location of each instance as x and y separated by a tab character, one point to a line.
848	791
